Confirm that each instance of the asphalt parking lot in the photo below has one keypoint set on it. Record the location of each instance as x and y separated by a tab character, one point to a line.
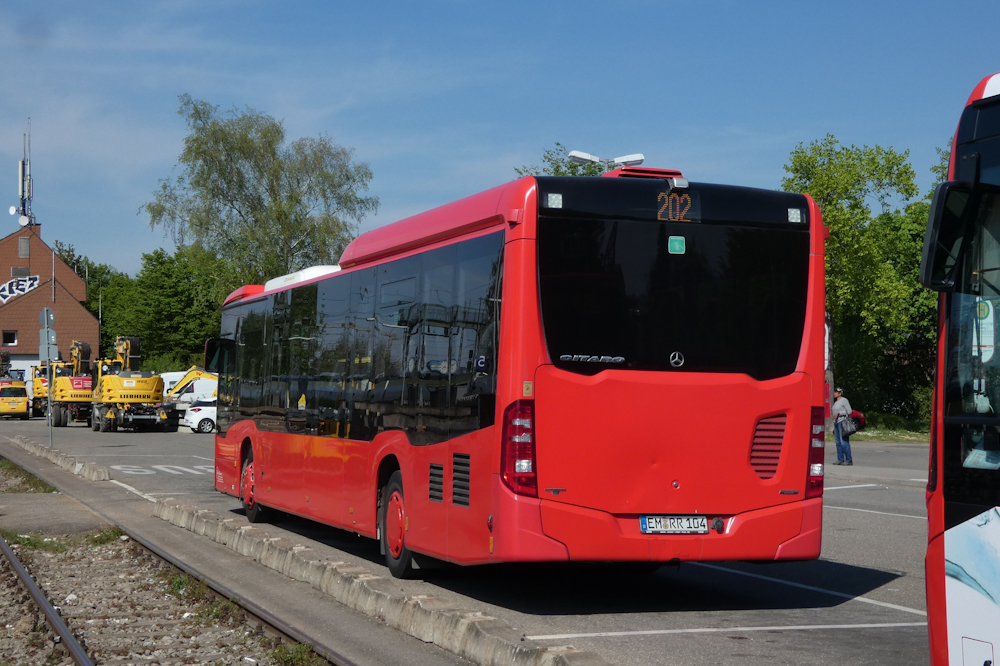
861	603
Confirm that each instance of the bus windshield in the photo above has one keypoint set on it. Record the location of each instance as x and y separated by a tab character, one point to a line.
13	392
705	279
972	366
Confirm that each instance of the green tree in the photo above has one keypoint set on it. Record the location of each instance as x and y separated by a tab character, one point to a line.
940	170
119	311
883	320
174	311
557	163
264	207
99	279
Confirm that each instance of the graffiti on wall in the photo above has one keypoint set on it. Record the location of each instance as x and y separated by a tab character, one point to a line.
16	287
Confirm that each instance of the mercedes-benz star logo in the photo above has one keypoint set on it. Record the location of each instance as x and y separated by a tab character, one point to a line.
676	359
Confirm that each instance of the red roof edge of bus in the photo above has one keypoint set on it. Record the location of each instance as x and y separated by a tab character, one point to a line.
243	292
435	225
977	92
642	172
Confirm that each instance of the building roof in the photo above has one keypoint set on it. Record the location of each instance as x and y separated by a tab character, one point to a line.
27	286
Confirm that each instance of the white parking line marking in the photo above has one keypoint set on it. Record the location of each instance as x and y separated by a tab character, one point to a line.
176	469
920	480
842	595
132	490
881	513
140	455
863	485
719	630
203	458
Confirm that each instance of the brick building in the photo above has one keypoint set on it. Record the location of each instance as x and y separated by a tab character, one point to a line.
32	278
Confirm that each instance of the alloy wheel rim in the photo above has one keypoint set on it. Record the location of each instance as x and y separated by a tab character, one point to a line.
394	522
248	484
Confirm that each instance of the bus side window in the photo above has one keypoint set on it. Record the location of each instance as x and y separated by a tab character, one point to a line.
475	335
433	369
359	324
393	336
334	300
253	357
303	340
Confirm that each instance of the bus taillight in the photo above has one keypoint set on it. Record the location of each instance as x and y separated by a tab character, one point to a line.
517	456
817	445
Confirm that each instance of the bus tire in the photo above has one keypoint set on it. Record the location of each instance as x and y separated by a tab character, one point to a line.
251	507
392	528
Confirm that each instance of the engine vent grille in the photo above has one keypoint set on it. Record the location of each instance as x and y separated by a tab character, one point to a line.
766	448
437	483
460	479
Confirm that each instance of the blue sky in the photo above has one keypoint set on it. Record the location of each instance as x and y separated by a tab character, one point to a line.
442	98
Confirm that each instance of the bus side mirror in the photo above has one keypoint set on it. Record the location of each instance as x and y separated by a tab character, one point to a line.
220	356
945	239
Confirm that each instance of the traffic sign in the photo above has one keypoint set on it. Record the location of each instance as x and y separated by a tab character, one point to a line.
47	317
47	348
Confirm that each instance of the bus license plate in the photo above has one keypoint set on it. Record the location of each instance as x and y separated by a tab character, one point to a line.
673	524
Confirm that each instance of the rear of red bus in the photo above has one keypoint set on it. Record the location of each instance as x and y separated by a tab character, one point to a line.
662	373
961	259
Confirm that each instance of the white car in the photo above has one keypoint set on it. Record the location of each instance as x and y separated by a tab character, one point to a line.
200	416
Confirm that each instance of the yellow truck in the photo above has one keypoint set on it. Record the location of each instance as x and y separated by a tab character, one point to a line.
124	397
73	387
13	393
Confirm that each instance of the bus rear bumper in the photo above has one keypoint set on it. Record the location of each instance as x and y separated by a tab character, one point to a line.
787	532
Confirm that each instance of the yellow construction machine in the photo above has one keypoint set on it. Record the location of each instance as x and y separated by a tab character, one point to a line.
40	387
196	384
124	397
73	387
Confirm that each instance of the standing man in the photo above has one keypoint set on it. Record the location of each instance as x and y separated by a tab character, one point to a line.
841	412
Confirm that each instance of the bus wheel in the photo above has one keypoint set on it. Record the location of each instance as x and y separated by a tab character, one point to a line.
392	527
252	508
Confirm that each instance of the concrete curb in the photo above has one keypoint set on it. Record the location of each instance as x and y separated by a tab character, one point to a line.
472	635
87	470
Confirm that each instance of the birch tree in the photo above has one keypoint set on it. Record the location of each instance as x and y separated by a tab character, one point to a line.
264	207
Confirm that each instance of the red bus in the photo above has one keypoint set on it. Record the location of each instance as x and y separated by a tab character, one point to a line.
616	368
961	259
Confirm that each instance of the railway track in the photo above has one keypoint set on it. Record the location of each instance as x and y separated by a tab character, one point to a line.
125	604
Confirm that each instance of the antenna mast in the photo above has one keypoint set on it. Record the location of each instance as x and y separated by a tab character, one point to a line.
24	183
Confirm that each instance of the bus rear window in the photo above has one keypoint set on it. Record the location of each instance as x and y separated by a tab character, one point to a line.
713	296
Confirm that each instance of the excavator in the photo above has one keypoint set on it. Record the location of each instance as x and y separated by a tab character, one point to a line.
13	393
124	397
196	384
40	389
73	387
